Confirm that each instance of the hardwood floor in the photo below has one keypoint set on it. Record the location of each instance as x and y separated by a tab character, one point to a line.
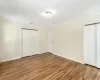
47	67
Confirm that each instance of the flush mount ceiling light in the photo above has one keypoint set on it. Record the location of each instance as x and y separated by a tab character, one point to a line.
49	14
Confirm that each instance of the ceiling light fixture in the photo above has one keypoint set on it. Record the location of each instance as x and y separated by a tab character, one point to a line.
49	14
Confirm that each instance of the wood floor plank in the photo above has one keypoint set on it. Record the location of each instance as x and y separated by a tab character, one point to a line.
47	66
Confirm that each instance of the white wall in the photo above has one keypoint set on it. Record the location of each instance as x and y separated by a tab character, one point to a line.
10	34
68	38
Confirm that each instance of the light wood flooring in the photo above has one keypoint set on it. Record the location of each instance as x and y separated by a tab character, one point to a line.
47	66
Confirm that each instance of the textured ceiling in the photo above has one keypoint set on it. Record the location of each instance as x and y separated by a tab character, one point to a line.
31	11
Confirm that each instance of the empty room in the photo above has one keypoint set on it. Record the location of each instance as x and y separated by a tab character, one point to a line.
49	39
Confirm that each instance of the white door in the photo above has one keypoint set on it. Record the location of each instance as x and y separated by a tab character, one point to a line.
90	47
50	42
98	45
29	42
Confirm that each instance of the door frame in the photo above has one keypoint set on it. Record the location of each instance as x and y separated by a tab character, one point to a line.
21	40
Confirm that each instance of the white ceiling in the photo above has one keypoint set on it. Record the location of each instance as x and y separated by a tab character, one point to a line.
31	11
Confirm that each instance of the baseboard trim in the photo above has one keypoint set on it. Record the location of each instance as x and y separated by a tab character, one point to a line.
42	53
73	59
10	59
69	58
17	58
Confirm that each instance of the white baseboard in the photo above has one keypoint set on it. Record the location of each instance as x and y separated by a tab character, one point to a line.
71	59
10	59
39	53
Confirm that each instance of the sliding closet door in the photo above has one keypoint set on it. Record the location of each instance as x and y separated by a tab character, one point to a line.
90	45
34	41
29	42
98	45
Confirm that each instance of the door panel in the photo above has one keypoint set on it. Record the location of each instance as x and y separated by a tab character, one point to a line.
34	42
98	45
29	42
90	45
50	44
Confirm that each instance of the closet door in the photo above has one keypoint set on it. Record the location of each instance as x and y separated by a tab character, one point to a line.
29	42
98	45
90	45
34	42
